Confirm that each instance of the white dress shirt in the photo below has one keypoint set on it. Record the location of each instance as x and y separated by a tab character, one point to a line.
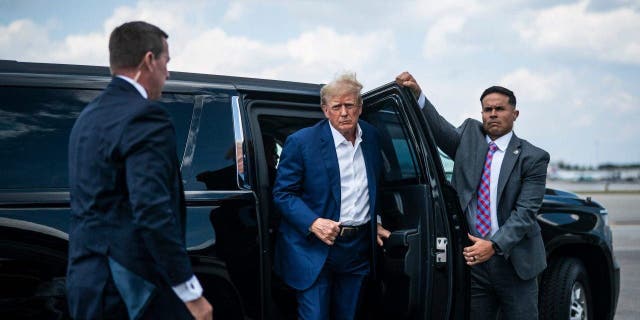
496	164
354	187
191	289
135	84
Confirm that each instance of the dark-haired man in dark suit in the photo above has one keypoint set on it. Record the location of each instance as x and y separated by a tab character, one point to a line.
500	180
127	255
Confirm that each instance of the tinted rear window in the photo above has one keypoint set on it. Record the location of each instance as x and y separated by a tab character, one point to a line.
35	124
34	132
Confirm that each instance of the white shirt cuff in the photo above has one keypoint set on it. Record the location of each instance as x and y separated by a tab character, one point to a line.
421	100
188	291
379	219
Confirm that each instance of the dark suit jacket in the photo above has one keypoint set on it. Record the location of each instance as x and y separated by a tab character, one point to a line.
307	187
521	186
127	200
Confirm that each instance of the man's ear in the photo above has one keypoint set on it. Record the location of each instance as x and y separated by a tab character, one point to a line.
325	110
516	113
147	61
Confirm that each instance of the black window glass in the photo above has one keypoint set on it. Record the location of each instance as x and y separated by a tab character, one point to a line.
34	132
180	107
447	164
397	150
35	124
209	158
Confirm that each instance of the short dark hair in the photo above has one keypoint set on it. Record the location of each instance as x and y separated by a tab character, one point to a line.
129	43
501	90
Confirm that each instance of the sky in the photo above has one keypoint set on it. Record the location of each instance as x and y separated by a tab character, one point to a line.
574	65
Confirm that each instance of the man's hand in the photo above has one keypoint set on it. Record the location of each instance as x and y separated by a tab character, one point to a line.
326	230
405	79
383	234
200	309
479	252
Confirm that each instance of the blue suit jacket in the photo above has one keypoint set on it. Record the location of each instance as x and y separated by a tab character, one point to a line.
307	187
127	202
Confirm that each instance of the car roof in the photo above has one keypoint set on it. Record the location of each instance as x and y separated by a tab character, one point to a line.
240	83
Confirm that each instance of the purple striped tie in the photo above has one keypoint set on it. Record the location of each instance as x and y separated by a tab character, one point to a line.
483	214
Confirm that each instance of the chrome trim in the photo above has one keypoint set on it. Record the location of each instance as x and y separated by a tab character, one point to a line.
44	198
216	192
239	141
204	245
217	195
190	146
30	226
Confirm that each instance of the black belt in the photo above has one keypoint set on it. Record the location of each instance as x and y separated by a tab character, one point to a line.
350	231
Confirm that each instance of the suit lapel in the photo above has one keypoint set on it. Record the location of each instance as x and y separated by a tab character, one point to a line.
368	153
479	158
508	162
330	160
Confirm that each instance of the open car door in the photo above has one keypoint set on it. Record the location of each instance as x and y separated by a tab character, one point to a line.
421	274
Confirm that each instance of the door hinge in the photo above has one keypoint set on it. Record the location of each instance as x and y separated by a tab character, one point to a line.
441	250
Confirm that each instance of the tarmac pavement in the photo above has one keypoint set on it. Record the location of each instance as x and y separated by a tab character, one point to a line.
624	218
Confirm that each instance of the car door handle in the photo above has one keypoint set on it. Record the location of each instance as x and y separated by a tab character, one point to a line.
399	238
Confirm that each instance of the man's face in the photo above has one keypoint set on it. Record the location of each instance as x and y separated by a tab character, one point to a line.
159	72
497	115
343	112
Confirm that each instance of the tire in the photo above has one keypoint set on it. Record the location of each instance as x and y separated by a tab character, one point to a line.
565	292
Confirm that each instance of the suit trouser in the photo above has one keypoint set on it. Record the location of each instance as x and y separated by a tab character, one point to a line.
336	291
495	287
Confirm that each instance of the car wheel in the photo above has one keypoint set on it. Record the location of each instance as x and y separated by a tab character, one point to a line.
565	291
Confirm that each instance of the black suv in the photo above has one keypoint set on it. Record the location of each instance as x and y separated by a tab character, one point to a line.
222	125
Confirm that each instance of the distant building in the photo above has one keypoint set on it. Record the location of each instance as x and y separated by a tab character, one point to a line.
555	172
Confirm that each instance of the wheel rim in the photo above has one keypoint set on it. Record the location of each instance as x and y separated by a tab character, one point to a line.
578	306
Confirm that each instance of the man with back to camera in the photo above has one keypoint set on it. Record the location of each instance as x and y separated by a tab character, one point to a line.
326	190
500	180
127	254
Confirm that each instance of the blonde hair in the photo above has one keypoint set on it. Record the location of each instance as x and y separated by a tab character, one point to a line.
345	83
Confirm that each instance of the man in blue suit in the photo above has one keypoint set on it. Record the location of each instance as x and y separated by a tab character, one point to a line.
127	255
500	180
326	189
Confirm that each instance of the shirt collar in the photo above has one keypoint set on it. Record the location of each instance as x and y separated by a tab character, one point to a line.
502	142
338	138
135	84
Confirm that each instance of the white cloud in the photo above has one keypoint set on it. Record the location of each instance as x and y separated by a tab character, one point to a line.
90	49
324	51
234	12
536	87
438	9
445	22
622	102
437	42
214	51
612	35
312	56
24	40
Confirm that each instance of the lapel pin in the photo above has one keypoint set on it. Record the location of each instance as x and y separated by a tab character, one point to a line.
516	151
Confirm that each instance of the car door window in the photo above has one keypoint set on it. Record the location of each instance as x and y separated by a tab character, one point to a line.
399	157
208	150
447	164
